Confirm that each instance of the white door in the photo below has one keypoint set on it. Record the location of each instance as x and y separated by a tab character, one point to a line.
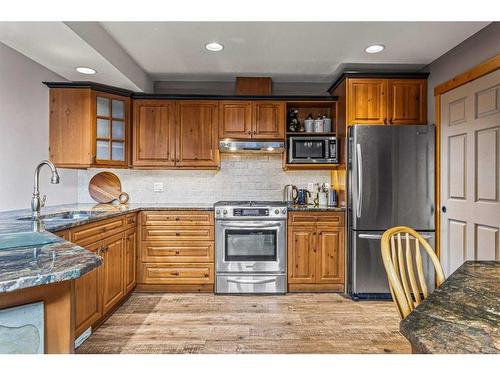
470	172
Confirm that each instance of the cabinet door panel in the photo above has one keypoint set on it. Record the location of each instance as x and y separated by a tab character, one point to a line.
197	134
268	120
88	296
154	133
330	255
130	259
113	286
111	129
235	119
301	254
367	101
407	101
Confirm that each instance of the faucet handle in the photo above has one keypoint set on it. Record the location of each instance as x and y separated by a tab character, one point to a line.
42	201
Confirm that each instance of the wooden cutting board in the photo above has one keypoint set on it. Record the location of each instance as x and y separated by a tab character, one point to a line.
105	187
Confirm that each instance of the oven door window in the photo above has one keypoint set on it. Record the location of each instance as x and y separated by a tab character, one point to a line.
309	149
250	245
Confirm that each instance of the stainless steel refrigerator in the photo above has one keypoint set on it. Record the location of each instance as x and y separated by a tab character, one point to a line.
390	183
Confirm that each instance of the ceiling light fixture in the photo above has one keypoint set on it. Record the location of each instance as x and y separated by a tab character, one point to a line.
85	70
214	46
375	48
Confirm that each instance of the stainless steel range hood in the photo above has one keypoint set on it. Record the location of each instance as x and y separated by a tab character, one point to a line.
229	145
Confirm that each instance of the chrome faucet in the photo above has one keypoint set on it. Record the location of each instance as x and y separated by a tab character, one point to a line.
36	202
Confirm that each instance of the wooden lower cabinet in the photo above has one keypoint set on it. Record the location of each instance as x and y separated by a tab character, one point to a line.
88	300
130	268
113	271
176	251
101	290
316	254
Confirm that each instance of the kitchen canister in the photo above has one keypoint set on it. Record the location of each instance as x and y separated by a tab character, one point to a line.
323	198
327	124
318	125
309	124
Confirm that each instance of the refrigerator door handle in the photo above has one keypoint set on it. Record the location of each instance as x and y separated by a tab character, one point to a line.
360	181
379	236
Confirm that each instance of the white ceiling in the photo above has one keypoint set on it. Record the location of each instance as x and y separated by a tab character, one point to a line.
133	54
287	51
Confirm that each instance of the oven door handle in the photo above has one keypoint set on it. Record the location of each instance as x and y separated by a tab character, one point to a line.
242	281
249	226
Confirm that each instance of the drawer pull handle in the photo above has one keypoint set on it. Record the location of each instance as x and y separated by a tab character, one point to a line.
177	252
174	273
177	234
177	218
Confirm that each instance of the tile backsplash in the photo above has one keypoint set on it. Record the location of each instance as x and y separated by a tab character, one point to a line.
241	177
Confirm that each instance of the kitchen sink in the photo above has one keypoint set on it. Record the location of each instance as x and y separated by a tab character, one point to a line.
24	239
65	216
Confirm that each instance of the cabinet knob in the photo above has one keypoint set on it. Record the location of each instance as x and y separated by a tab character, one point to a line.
385	120
254	132
249	132
177	234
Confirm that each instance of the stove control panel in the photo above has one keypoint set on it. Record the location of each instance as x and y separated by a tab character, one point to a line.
250	212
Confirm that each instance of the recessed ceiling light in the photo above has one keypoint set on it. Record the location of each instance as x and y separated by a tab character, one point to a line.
85	70
375	48
214	46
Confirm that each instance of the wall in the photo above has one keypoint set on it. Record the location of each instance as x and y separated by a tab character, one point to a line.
241	177
471	52
24	129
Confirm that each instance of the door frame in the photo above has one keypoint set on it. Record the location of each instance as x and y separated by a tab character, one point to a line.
476	72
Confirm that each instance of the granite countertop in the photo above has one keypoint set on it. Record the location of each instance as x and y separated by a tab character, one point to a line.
461	316
38	264
310	207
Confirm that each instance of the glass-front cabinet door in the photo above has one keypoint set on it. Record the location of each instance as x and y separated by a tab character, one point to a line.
111	129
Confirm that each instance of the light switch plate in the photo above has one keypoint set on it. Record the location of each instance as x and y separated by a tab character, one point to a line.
158	187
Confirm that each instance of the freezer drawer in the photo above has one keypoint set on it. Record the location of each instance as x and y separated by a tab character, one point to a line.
250	284
367	268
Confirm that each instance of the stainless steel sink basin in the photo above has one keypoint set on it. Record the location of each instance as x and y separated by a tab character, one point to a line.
65	216
24	239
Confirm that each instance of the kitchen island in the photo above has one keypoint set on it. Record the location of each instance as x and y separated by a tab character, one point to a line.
461	316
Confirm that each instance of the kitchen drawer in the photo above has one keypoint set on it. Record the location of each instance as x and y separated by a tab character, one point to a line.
166	233
89	233
177	218
332	218
131	220
177	273
250	284
177	252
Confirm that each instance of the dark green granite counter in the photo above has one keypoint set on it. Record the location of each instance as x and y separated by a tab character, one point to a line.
461	316
59	260
310	207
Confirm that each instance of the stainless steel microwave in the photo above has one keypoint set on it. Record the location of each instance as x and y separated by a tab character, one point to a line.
313	149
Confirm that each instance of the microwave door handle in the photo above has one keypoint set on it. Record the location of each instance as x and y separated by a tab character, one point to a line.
360	181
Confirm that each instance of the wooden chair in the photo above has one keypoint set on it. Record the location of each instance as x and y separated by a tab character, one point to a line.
399	265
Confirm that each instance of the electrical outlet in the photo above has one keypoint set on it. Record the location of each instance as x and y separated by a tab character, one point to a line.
158	187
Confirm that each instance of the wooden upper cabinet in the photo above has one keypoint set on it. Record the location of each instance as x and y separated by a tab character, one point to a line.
301	254
88	128
268	119
367	101
197	133
154	133
235	119
330	254
407	102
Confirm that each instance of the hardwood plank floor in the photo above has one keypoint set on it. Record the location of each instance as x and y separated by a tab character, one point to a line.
206	323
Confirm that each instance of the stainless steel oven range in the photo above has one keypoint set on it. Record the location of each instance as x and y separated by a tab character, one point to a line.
250	241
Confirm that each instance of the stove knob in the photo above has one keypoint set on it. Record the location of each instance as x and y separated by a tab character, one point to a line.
224	212
283	211
217	212
276	211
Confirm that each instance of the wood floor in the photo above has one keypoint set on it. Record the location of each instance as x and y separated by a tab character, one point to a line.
205	323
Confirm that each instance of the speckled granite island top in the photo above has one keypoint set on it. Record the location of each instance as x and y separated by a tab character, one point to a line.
462	316
59	260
